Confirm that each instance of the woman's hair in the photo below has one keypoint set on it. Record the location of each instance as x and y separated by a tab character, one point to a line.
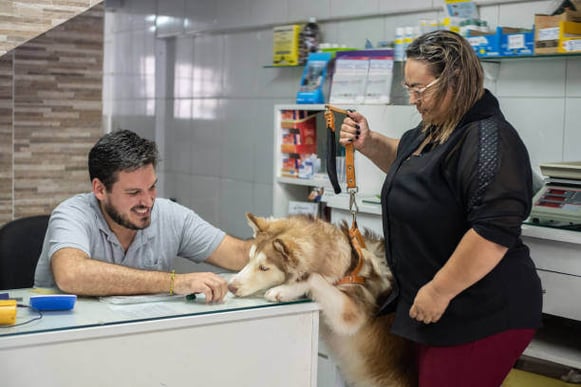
454	63
121	150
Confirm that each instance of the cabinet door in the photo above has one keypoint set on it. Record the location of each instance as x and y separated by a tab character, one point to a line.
561	294
327	373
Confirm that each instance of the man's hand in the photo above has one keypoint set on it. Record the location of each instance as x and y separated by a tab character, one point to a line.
210	284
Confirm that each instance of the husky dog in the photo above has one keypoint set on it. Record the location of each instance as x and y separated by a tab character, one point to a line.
301	256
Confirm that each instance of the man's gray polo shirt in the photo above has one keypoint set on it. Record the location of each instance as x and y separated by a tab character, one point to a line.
175	231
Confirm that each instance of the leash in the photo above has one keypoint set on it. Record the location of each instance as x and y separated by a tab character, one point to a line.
354	234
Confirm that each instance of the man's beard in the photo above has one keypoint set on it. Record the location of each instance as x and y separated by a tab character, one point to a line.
124	221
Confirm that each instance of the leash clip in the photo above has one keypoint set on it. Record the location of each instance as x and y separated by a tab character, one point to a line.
353	206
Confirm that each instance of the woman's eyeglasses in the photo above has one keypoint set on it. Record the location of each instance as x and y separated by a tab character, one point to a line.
418	92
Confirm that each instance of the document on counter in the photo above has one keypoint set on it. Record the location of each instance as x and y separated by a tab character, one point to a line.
141	299
144	306
143	310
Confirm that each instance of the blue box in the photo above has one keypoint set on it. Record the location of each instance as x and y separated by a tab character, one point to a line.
314	78
485	45
516	41
506	41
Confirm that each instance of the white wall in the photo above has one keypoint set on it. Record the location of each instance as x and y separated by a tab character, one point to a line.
190	73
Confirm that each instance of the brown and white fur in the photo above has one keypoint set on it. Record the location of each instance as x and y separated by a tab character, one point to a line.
302	256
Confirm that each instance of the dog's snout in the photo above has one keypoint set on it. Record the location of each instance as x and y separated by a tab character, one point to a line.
232	288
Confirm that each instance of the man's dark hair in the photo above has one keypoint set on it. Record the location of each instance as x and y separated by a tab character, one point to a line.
121	150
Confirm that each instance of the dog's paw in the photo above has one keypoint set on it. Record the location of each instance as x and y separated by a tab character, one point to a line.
277	294
283	293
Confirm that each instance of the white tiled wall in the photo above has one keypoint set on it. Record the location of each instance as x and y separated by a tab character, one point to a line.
190	72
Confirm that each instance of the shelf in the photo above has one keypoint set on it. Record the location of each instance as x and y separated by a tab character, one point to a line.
529	57
282	67
299	106
483	59
558	341
341	202
305	182
368	204
551	233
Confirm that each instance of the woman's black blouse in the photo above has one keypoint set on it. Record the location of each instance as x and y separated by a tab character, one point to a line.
480	179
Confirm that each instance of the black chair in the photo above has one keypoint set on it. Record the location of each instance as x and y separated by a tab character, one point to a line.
20	246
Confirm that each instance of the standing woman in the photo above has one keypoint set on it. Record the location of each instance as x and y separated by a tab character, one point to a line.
457	189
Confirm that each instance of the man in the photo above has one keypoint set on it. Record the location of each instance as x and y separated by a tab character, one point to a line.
121	240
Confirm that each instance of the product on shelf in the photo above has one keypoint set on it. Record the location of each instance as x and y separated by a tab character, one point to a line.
310	36
285	49
298	142
313	80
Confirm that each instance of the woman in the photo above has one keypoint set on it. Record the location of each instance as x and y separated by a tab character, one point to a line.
457	189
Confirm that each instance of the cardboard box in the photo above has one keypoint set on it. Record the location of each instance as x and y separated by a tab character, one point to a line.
285	48
547	33
569	37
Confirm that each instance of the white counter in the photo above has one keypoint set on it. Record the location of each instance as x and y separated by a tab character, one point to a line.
240	342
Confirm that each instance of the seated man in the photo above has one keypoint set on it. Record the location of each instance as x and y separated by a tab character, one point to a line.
121	240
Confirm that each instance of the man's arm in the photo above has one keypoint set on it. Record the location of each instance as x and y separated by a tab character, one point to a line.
75	272
231	253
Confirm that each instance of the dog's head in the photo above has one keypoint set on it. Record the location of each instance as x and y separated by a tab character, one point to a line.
272	259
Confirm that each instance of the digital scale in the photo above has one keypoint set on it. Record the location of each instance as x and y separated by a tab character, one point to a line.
558	202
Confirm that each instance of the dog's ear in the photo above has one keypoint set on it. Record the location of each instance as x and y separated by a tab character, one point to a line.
257	224
284	250
280	247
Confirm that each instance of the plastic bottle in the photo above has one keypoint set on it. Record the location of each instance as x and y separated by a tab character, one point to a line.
310	38
398	52
408	38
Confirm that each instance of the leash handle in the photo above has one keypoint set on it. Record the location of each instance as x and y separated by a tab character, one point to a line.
332	152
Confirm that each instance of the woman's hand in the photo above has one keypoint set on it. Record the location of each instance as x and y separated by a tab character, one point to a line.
377	147
429	304
354	130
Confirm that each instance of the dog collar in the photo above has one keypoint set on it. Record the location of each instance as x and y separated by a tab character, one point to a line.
357	242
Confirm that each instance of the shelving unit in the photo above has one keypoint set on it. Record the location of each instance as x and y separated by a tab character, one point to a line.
395	119
288	189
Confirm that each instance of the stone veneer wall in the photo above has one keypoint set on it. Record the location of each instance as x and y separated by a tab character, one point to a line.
6	106
22	20
50	115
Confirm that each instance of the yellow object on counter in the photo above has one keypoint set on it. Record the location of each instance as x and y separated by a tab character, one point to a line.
520	378
7	312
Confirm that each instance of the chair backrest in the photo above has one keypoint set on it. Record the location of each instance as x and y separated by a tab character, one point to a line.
20	247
